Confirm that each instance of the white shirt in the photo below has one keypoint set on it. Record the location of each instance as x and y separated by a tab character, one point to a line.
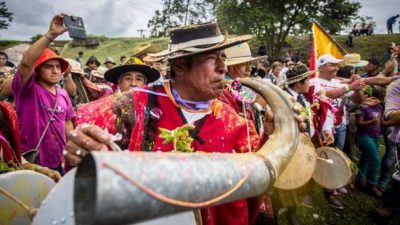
327	85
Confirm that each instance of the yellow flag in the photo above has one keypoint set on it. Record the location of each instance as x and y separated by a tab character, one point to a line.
322	44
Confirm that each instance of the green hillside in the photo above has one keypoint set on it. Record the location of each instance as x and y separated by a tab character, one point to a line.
114	47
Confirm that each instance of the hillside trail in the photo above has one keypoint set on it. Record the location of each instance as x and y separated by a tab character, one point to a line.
15	53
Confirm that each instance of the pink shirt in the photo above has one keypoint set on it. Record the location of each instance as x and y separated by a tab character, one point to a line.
34	105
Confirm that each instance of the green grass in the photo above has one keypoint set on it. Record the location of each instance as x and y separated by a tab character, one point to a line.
358	210
114	47
4	44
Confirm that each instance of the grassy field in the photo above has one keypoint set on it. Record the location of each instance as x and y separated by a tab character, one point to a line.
114	47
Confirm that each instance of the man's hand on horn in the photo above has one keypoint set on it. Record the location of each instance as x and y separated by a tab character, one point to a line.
82	140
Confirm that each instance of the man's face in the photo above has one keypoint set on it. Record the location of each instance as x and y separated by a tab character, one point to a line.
277	70
202	81
240	70
92	65
130	80
305	86
370	67
3	60
109	65
329	70
50	71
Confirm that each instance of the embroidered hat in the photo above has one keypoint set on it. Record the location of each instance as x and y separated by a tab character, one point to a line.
48	55
298	73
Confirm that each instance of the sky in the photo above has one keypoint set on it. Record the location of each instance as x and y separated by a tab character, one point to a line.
123	18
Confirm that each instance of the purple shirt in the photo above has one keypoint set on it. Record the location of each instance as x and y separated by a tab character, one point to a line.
34	105
368	112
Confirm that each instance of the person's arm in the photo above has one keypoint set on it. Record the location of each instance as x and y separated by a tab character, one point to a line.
69	126
26	67
69	84
380	80
393	119
5	87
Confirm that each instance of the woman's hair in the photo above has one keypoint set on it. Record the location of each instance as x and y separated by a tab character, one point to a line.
276	64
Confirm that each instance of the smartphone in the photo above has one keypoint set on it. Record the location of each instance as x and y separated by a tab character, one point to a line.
76	28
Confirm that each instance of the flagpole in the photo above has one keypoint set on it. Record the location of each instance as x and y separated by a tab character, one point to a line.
333	40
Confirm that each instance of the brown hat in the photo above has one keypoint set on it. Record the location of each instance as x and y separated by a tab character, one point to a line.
199	38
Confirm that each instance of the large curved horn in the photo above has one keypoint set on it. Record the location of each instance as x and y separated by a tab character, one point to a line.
279	147
121	188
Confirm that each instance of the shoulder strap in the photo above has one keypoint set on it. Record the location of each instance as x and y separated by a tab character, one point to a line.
51	119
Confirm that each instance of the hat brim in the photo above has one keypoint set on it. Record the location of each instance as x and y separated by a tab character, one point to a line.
220	46
362	63
64	63
300	77
109	62
114	73
96	61
240	60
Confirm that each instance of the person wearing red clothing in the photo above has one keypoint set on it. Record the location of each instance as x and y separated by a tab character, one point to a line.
197	68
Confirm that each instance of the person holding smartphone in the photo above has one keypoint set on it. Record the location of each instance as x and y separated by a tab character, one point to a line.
37	96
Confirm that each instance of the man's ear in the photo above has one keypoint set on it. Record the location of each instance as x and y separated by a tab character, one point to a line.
178	66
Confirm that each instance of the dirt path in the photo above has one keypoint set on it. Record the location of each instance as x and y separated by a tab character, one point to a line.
15	53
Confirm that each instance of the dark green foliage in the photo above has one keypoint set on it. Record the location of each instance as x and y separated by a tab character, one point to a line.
5	16
272	21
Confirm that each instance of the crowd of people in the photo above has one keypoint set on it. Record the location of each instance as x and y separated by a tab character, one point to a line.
79	107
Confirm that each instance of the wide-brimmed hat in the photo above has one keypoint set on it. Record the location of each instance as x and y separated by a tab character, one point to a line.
99	72
75	66
239	54
151	58
93	59
112	75
197	39
109	60
354	59
48	55
142	49
298	73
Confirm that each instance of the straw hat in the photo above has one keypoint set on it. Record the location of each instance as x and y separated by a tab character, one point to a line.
99	72
197	39
75	66
239	54
109	60
354	59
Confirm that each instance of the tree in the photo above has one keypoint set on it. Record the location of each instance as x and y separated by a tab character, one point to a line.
273	21
5	16
180	12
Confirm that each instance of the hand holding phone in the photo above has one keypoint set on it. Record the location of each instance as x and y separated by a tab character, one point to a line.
76	28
